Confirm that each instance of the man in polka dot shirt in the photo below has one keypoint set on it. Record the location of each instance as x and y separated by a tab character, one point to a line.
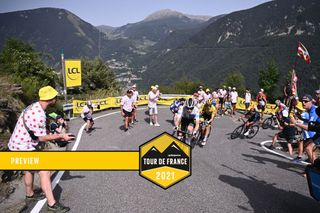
28	132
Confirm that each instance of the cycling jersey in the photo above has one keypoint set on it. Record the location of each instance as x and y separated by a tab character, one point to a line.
254	116
211	110
174	107
185	113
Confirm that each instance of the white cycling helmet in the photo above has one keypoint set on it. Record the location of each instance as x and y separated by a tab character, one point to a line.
190	103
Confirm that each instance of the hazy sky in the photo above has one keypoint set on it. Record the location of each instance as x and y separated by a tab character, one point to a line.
120	12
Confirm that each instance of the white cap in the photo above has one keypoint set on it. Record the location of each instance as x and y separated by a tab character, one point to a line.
261	90
134	85
234	88
89	103
157	86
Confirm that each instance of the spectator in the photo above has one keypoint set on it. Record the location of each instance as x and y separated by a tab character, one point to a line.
28	132
135	97
126	108
86	115
287	131
234	100
201	94
307	137
153	98
58	126
215	96
262	102
287	93
247	99
317	101
313	117
207	95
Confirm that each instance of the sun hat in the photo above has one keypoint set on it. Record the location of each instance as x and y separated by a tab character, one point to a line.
47	93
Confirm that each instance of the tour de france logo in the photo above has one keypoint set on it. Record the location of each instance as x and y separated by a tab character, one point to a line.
165	160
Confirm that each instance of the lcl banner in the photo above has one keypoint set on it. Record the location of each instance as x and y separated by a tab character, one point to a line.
73	73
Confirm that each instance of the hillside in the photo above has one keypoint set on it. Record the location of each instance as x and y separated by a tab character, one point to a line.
246	41
49	30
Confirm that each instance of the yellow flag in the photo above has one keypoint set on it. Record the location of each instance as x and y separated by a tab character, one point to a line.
73	73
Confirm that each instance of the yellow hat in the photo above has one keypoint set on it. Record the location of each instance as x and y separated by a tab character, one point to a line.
47	93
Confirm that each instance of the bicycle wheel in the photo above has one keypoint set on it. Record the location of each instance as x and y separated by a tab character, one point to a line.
237	132
267	123
253	131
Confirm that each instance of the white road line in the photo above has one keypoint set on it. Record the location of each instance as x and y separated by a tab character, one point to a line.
57	178
262	144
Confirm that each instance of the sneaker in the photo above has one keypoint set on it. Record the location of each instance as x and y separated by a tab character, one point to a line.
296	160
203	143
271	147
35	197
126	129
157	124
135	120
57	207
246	133
151	124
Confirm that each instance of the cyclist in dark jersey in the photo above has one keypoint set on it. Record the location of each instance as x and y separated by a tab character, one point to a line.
253	116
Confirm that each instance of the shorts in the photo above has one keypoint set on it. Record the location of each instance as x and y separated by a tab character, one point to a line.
247	105
126	113
233	104
185	122
316	139
262	107
214	103
87	119
289	138
206	117
220	100
153	110
227	105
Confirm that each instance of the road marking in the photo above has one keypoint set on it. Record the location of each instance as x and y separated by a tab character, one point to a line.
262	144
37	208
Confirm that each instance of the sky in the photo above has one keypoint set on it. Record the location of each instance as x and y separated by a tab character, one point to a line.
120	12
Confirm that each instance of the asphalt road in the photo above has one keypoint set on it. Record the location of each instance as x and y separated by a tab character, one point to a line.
227	175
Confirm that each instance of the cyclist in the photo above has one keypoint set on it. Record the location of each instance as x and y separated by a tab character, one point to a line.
208	113
253	116
189	118
175	106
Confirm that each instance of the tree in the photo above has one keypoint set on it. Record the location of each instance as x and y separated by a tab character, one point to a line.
24	65
97	75
235	79
268	79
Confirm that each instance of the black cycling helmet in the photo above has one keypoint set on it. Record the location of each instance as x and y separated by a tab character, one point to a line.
190	103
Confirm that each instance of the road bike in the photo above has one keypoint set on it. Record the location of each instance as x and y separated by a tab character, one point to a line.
270	122
240	130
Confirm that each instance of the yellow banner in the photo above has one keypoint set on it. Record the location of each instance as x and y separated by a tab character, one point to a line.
73	73
114	102
94	160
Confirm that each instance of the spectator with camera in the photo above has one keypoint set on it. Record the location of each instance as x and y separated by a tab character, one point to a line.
313	125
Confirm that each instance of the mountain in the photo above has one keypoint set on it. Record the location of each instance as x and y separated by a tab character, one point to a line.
157	26
49	30
246	41
127	49
106	29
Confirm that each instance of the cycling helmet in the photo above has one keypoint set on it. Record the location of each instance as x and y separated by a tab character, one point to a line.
190	103
89	103
277	102
285	113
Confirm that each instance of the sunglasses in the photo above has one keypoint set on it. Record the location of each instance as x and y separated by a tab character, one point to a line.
305	101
